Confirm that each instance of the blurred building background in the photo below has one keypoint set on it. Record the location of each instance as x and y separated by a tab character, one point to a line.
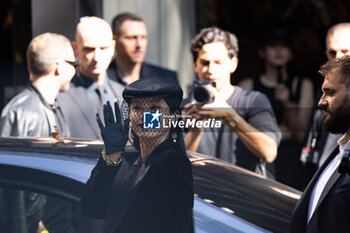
171	25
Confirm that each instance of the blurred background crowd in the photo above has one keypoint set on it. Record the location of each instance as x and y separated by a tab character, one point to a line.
172	24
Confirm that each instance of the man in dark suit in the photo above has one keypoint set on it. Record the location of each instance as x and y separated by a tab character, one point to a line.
130	34
325	203
90	88
320	144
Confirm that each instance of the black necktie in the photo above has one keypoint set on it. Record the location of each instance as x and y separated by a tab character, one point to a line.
101	93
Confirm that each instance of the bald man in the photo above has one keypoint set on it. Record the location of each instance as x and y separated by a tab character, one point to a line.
338	41
90	88
319	144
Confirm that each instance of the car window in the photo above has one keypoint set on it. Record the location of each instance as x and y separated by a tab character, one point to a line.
24	211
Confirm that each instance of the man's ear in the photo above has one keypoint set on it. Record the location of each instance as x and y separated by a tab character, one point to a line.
112	48
234	62
114	42
75	48
195	66
115	39
57	69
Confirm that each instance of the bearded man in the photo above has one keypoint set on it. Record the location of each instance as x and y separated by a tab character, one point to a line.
325	203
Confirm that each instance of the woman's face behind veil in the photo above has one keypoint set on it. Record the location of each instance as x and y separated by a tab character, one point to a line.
153	109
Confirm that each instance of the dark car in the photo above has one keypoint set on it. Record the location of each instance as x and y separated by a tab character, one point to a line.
227	198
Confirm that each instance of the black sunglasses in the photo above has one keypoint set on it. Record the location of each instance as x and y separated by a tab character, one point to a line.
73	63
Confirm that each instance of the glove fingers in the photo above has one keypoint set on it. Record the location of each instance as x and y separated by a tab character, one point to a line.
109	117
99	122
110	112
105	115
118	116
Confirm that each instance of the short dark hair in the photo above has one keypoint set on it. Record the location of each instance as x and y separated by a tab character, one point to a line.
119	19
211	35
341	66
44	51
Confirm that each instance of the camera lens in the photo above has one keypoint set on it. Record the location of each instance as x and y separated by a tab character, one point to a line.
201	95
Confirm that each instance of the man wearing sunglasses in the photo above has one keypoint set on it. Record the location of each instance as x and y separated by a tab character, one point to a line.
33	112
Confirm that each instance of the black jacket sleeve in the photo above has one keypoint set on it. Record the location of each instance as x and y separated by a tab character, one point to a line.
93	200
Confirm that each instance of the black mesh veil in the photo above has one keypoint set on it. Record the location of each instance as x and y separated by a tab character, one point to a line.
153	118
152	105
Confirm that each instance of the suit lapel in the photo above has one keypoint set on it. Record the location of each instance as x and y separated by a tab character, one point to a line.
117	90
330	183
79	97
299	218
328	187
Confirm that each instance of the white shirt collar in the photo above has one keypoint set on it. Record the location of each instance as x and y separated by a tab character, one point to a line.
343	144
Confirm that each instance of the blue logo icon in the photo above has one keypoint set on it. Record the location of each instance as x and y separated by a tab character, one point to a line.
151	120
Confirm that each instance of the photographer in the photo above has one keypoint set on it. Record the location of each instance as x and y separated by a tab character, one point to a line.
249	134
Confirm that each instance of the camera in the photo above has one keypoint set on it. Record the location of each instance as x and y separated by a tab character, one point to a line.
200	94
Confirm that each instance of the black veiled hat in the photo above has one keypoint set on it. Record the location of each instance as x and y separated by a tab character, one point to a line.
154	87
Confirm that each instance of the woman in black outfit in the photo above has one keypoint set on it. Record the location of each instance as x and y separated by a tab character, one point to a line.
150	189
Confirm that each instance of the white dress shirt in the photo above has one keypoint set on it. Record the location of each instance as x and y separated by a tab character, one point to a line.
325	176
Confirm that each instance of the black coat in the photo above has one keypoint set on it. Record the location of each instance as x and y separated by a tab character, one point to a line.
29	115
149	196
332	213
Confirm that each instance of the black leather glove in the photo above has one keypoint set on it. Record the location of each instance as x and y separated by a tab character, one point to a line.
113	134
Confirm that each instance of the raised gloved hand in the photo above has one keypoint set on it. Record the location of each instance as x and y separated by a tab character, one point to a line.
113	134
